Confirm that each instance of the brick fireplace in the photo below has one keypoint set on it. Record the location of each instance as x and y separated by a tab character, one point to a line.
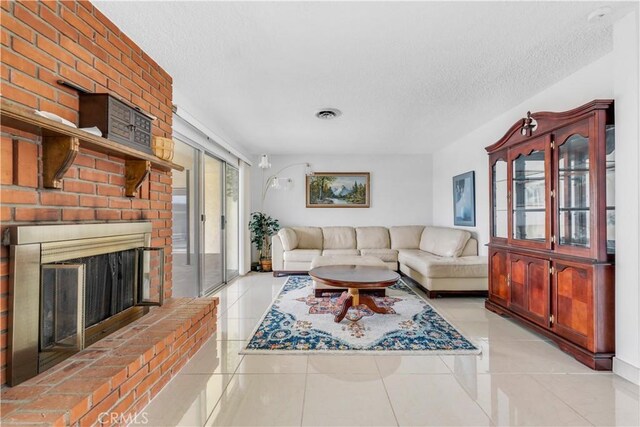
42	43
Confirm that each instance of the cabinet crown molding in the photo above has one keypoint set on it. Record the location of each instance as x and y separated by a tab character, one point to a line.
548	121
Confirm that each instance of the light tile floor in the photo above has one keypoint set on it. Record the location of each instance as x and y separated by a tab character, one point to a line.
519	379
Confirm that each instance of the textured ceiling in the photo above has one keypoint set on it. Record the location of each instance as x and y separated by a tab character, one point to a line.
408	77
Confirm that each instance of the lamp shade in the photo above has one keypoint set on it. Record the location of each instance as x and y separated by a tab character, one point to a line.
264	162
281	183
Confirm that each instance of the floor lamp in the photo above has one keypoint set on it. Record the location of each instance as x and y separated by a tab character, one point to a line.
275	181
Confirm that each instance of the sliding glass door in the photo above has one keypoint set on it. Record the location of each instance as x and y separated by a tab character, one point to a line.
231	223
185	223
205	222
212	223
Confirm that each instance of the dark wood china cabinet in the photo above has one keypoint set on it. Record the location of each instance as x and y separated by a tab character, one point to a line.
552	245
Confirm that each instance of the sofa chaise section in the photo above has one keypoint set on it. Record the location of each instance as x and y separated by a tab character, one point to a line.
442	260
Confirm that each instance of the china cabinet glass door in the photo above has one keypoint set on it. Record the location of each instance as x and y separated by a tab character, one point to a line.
610	188
500	189
573	192
529	195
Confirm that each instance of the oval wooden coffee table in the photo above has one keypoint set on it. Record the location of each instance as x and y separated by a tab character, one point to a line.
355	277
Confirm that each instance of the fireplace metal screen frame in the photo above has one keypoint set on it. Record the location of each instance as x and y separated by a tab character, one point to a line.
31	246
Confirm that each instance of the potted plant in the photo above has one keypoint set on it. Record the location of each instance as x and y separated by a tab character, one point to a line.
262	227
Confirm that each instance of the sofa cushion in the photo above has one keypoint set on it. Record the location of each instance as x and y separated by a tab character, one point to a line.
372	238
338	252
301	255
468	266
308	237
410	256
386	255
406	236
339	238
448	242
471	248
289	239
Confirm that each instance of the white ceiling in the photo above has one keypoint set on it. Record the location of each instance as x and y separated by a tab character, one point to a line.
408	77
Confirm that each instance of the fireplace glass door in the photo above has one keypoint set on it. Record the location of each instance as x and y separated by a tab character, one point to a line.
62	307
150	290
81	297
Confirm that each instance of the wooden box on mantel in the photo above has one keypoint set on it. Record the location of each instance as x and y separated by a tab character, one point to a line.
116	120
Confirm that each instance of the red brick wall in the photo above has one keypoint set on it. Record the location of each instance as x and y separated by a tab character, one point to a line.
41	43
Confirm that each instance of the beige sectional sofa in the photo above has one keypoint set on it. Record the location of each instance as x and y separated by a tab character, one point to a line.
441	260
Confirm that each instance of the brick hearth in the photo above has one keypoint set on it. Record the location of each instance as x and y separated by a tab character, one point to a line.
41	43
112	380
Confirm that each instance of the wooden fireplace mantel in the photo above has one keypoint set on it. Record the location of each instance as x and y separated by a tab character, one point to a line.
60	145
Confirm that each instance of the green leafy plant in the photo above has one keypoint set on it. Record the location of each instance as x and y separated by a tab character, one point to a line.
262	227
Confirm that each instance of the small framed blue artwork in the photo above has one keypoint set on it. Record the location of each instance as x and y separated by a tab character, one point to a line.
464	199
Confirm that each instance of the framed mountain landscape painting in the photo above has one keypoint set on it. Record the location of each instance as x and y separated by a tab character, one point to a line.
338	190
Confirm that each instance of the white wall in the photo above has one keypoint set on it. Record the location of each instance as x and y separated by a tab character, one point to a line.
613	76
400	190
626	47
468	153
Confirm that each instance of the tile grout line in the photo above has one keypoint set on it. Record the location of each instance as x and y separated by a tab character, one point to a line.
475	401
542	384
233	375
235	371
304	392
226	286
384	385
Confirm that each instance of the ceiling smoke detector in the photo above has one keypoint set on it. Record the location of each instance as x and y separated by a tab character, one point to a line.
328	113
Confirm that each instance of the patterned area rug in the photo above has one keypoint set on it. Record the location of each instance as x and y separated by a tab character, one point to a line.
298	322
